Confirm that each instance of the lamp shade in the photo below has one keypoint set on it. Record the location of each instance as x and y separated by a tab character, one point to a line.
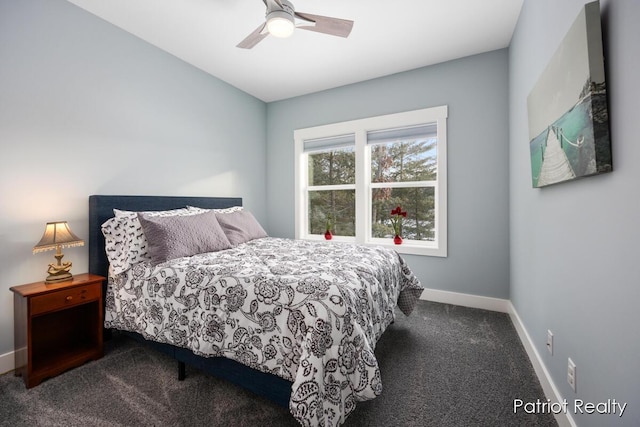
57	234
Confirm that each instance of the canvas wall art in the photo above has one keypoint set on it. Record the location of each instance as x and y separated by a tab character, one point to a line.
568	114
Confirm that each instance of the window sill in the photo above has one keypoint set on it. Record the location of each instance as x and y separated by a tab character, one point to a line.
406	248
410	248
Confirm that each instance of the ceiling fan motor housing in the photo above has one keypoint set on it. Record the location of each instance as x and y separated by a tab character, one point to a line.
286	12
280	14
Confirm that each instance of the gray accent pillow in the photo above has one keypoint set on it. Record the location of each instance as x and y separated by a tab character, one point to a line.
240	226
408	299
179	236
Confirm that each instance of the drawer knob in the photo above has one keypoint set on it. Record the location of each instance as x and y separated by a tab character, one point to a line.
69	298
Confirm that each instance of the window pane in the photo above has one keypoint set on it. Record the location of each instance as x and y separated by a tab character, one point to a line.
339	206
332	167
418	202
404	159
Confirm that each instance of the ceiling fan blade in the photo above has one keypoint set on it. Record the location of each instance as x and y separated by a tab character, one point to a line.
254	38
326	25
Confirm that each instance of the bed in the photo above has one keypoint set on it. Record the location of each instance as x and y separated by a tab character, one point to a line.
294	321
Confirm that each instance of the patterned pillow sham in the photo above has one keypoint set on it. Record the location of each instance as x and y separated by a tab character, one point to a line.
182	235
224	210
114	237
134	214
240	226
125	242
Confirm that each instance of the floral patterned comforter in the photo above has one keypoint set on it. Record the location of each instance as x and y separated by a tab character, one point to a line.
309	312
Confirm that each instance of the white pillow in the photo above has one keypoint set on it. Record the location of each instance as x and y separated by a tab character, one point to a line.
134	214
223	210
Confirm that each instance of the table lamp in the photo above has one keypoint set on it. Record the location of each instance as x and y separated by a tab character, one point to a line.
57	235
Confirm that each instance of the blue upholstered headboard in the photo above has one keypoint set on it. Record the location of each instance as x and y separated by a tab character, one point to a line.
101	209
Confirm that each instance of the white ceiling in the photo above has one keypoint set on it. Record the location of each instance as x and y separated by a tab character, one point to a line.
388	37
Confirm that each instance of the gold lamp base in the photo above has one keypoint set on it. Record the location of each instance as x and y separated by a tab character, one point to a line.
58	278
59	272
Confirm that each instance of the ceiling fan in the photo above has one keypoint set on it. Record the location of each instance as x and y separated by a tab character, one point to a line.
282	19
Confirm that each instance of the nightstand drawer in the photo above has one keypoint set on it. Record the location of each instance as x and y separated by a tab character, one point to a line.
64	298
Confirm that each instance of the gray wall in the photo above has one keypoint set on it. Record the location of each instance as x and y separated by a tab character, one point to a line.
131	119
86	108
475	89
574	246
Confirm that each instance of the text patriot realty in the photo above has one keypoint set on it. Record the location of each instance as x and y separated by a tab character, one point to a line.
610	407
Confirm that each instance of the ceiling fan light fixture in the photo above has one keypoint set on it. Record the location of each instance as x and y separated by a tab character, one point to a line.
281	18
280	24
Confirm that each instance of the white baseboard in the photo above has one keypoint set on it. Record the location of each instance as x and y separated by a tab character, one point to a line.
505	306
548	386
7	362
466	300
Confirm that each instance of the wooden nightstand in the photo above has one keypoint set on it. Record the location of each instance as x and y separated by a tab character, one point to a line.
57	326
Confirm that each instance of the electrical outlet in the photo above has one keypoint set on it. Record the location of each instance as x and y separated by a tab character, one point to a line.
571	374
550	341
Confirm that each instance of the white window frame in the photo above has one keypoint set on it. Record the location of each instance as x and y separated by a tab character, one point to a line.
363	185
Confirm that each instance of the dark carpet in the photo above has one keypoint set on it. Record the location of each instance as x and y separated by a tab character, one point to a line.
442	366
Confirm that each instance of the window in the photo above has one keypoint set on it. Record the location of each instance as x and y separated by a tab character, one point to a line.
351	175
